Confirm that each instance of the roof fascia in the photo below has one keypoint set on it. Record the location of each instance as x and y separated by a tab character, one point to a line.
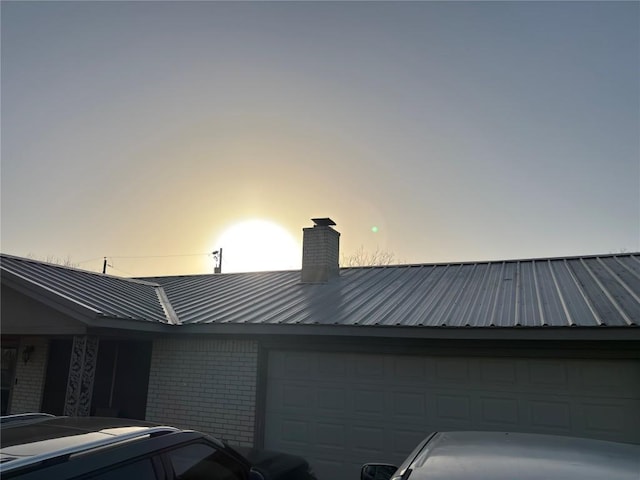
105	324
42	330
459	333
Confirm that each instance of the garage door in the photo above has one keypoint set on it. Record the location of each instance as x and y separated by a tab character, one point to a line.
340	410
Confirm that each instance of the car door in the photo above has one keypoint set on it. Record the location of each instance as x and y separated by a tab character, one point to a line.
142	469
87	468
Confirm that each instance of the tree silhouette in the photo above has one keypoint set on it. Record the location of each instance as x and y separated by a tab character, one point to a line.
364	258
65	262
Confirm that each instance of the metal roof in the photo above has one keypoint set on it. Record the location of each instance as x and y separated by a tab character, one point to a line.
99	294
565	292
593	291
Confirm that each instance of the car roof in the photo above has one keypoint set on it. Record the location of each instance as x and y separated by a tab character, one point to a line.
501	455
33	438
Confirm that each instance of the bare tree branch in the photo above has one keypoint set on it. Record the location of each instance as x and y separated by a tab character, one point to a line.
65	262
364	258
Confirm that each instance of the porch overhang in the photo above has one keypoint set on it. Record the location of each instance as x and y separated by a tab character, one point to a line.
49	313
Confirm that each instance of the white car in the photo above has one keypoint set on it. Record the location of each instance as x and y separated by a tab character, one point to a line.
511	456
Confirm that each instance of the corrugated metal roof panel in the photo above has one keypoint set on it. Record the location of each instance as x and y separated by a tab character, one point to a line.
557	292
587	291
560	292
595	292
552	310
107	295
228	298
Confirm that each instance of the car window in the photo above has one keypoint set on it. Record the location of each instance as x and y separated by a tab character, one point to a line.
141	470
199	461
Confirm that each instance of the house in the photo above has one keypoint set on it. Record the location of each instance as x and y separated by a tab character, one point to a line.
342	366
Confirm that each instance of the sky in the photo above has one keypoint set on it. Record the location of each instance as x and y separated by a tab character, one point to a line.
153	133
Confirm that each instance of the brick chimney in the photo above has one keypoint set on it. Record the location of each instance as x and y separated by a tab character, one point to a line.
320	251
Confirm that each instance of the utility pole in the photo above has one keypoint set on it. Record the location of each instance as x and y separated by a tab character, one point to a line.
217	257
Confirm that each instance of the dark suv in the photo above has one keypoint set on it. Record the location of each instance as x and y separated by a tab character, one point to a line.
39	446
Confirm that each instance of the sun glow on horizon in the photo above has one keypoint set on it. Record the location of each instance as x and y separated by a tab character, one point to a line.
258	245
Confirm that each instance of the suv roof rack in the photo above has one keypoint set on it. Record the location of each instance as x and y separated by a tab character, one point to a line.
20	417
63	454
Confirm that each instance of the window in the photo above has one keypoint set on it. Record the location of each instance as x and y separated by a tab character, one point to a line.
199	461
141	470
9	354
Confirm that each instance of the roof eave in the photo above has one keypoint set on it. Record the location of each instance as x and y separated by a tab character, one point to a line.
460	333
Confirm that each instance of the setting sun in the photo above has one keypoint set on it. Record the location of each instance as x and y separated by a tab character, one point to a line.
258	245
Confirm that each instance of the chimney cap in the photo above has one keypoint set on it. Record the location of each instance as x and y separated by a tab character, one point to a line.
323	222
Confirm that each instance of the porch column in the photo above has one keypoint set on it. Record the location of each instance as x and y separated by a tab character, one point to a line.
82	370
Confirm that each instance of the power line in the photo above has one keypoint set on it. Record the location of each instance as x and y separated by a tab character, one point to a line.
134	257
86	261
142	256
123	271
159	256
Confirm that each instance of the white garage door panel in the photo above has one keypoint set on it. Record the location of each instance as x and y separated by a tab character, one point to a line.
340	410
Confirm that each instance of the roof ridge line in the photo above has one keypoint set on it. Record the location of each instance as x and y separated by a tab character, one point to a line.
495	261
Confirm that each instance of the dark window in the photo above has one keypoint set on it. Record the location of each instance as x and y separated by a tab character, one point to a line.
121	379
55	383
203	462
9	355
142	470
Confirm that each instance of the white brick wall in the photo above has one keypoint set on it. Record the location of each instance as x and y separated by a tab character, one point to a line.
205	384
29	384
